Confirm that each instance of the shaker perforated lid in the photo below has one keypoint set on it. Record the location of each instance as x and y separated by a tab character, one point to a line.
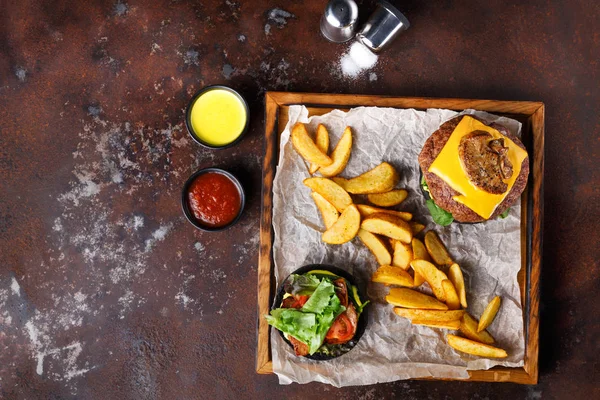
338	23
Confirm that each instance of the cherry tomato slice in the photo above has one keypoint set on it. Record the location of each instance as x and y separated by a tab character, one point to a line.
341	331
294	301
301	300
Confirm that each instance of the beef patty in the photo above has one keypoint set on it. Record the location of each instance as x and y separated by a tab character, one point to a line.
486	164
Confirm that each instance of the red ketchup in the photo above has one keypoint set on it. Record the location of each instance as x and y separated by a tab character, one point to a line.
214	199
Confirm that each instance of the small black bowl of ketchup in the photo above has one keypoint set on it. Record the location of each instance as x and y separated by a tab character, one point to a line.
212	199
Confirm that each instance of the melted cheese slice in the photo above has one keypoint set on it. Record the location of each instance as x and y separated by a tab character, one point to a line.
448	167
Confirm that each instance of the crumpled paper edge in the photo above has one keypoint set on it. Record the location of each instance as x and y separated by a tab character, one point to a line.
300	114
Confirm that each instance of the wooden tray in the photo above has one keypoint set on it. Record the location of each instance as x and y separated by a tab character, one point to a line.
531	114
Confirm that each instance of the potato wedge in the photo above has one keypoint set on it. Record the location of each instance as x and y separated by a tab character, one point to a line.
456	277
388	199
419	253
380	179
345	228
419	250
305	146
430	315
377	246
452	299
409	298
328	211
418	278
322	142
367	211
340	181
403	254
475	348
432	275
453	325
468	327
436	249
332	192
340	155
388	225
489	314
392	276
416	227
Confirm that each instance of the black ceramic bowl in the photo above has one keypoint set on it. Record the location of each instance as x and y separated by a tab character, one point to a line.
186	207
188	117
339	349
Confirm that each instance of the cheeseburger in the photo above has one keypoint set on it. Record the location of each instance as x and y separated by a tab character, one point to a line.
472	171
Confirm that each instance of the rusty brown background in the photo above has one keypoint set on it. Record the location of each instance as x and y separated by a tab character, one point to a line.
106	292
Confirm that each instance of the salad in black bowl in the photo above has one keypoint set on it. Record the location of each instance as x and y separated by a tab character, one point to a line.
319	311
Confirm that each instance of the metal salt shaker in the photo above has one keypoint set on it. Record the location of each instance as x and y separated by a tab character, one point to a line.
383	26
338	23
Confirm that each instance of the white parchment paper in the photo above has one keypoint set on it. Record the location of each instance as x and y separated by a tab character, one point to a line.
391	348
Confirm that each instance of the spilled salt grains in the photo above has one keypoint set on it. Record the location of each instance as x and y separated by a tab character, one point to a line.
358	59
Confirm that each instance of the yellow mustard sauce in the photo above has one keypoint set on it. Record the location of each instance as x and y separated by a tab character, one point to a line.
218	117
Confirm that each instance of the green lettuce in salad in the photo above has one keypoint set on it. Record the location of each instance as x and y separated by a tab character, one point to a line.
311	323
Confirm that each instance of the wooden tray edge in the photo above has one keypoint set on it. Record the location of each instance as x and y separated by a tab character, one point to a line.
266	233
496	374
534	110
351	100
536	205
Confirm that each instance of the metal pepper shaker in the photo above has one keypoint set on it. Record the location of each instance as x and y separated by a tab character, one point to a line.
382	27
338	23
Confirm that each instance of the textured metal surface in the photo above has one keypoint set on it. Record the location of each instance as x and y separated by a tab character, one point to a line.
382	27
339	20
107	292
